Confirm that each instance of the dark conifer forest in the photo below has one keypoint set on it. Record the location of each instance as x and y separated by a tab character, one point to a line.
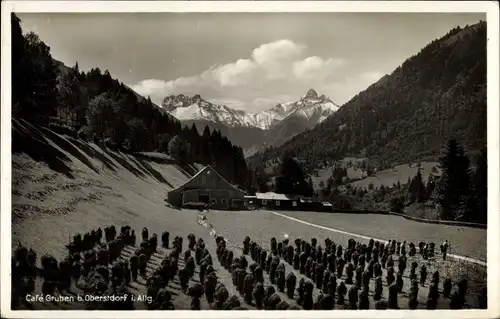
95	107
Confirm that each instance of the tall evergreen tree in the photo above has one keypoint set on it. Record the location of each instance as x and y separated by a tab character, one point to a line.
454	184
292	179
480	215
431	184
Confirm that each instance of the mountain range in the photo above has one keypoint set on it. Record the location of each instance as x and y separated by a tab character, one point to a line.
266	128
436	95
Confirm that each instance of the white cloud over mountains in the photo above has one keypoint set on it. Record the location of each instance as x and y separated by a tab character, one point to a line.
275	72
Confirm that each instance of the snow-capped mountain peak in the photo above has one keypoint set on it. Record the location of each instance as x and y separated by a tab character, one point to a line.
310	107
311	94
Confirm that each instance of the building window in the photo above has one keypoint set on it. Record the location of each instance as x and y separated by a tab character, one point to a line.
294	203
277	203
264	202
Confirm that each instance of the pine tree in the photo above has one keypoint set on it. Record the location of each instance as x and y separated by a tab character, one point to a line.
178	148
454	184
420	193
480	215
431	184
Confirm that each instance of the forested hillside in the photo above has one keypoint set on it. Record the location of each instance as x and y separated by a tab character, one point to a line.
436	95
92	105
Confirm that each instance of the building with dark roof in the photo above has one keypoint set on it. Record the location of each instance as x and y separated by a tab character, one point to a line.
271	200
207	187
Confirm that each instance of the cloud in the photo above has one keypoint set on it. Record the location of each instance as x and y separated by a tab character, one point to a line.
274	72
315	67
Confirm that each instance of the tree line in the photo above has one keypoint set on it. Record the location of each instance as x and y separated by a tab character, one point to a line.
98	108
460	193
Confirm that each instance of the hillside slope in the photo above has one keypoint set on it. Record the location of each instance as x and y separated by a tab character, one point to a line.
408	115
63	184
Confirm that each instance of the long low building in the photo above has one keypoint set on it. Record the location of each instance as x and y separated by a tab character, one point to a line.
207	187
271	200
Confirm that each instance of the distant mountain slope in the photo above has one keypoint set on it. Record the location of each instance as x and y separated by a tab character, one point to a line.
253	130
437	94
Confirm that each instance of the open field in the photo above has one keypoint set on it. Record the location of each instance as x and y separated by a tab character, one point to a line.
386	177
464	241
261	226
325	173
91	187
399	173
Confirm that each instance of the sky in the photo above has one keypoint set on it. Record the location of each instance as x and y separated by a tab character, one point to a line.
248	61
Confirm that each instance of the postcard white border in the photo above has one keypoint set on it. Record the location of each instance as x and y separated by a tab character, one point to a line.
491	8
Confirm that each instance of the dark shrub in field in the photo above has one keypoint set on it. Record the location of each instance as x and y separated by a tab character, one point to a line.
273	301
458	297
326	281
145	234
248	288
390	262
353	297
435	277
362	261
483	298
49	268
377	270
341	291
308	296
378	288
423	275
243	262
184	275
195	292
296	261
221	295
319	276
412	298
392	301
349	273
366	279
413	270
340	267
258	295
240	280
209	287
381	305
268	293
282	305
447	285
327	302
399	282
165	237
246	245
359	277
301	289
433	296
364	302
291	280
281	278
231	303
390	276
